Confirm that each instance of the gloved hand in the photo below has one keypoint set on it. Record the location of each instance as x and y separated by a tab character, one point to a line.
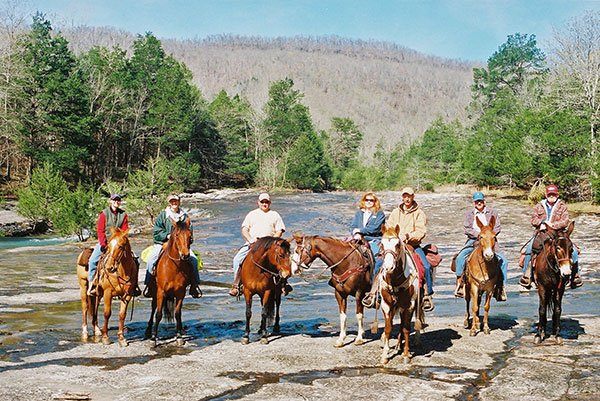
103	248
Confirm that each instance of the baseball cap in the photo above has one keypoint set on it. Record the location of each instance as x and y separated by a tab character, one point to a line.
478	196
115	196
551	189
408	190
264	196
172	196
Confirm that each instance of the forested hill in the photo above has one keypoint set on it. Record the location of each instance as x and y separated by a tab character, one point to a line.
390	91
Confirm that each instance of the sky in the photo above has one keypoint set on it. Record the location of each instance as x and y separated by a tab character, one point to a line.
455	29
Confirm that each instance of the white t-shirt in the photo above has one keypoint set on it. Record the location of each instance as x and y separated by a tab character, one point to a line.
482	219
261	224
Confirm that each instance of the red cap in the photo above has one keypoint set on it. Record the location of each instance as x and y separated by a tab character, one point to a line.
551	189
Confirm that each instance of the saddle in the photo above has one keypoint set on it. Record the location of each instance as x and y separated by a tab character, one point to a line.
369	263
84	257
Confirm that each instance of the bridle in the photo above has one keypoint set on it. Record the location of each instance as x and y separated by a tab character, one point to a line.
174	233
396	254
555	244
276	274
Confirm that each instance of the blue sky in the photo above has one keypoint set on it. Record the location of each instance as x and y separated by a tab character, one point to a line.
467	30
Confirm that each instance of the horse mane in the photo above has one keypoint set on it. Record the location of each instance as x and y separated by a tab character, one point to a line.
264	243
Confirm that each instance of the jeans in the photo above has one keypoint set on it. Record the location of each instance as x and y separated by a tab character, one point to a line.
239	258
93	262
461	260
378	260
153	255
427	267
528	255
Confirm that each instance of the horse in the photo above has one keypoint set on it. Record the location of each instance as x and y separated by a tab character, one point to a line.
350	274
263	271
552	271
117	277
173	275
482	273
400	292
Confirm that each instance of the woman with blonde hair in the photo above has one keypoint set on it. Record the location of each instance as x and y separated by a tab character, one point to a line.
367	225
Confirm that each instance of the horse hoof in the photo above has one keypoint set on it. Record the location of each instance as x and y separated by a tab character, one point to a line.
147	334
338	344
97	332
264	340
359	341
558	340
537	340
245	340
384	360
106	341
180	342
123	342
84	337
406	359
486	330
473	333
466	324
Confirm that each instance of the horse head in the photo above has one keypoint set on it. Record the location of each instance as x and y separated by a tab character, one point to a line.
392	248
563	248
487	238
181	237
117	248
302	256
279	256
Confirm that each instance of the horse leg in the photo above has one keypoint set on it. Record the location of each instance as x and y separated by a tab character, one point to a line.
360	320
405	332
387	330
476	299
556	317
148	332
93	304
107	313
342	300
276	328
122	315
541	333
264	317
467	301
486	309
246	336
160	300
179	326
84	308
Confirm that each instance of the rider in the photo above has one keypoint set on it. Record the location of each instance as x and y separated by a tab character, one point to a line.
367	223
550	212
115	217
413	228
161	234
472	232
260	222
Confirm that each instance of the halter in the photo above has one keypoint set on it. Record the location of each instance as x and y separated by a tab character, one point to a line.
114	267
554	244
276	275
407	282
308	252
173	236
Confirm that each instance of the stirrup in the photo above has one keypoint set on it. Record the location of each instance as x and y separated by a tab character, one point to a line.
234	291
525	281
136	291
428	303
459	291
92	289
287	289
371	301
148	292
576	282
195	291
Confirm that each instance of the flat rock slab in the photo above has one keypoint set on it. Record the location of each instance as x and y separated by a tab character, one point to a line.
449	365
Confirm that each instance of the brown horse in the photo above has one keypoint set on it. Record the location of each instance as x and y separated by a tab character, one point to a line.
552	272
263	271
482	273
117	277
400	293
349	271
173	275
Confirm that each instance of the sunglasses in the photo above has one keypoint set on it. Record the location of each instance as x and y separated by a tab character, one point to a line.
265	201
369	200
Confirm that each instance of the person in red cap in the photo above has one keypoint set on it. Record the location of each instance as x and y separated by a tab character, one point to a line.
550	212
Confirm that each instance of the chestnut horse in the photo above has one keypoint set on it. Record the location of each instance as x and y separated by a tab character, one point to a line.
349	270
482	273
552	272
398	284
117	277
173	275
267	263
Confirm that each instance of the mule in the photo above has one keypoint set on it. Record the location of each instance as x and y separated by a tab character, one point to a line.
173	275
350	274
399	285
117	277
481	275
263	272
553	266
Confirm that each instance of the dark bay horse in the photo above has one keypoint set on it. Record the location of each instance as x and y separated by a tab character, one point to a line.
552	272
267	263
173	275
349	270
117	277
482	274
400	292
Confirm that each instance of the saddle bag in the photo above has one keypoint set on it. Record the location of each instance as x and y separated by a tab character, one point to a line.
432	255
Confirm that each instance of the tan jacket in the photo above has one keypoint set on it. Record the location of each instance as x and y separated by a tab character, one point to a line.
559	217
412	222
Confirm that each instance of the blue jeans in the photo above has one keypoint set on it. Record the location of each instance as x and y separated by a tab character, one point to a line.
461	260
239	258
378	260
93	262
153	255
427	267
528	254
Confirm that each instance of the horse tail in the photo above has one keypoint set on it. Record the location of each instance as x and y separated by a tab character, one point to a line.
169	309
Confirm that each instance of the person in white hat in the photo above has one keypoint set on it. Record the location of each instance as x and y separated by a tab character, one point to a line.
260	222
160	234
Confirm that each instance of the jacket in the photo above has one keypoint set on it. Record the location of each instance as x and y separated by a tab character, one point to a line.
411	221
372	230
163	227
559	217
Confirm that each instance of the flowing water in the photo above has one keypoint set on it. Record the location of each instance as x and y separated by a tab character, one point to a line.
39	295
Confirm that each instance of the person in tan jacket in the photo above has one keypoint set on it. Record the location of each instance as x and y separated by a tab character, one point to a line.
413	228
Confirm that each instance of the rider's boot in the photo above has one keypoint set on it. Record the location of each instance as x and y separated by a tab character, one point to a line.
576	280
195	290
372	297
150	289
459	291
427	300
286	289
235	287
525	279
500	293
136	290
92	288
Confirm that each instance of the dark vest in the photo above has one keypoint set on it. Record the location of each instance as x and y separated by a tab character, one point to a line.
114	220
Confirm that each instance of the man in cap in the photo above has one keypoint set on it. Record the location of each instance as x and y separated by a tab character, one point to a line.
260	222
161	232
484	214
550	212
413	227
115	217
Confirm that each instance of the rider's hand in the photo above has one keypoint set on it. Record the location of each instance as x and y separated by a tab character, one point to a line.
103	248
357	236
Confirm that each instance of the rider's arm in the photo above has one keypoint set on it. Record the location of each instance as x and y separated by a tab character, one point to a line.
468	225
356	222
538	216
560	217
125	225
159	232
246	234
100	226
420	230
278	233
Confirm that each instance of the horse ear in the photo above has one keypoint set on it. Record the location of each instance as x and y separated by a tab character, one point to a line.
492	221
112	230
296	237
382	227
570	228
478	223
397	229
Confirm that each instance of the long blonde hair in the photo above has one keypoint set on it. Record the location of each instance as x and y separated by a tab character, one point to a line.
376	205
